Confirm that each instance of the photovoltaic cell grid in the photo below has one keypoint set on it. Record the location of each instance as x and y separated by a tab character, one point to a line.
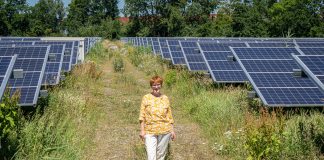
156	46
164	48
309	39
194	59
310	44
10	43
313	51
68	52
176	52
272	44
270	70
32	60
313	65
214	46
220	62
54	65
6	66
20	39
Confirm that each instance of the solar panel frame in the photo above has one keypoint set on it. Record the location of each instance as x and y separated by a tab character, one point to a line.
7	74
75	52
265	91
315	77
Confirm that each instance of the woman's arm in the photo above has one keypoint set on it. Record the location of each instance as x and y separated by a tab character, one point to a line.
142	133
142	119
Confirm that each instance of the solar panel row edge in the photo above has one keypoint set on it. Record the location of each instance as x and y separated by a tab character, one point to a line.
7	75
308	71
265	101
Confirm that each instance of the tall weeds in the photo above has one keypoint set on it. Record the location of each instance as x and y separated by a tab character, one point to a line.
235	125
64	129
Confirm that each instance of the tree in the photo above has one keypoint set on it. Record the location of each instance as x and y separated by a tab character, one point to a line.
13	17
111	8
251	20
46	17
284	17
79	11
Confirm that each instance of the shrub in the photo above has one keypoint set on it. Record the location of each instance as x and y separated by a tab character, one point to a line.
263	136
170	78
9	122
118	64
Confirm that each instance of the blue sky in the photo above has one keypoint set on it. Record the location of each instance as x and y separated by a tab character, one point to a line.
67	2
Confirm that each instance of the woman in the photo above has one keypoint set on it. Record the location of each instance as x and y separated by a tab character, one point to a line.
156	121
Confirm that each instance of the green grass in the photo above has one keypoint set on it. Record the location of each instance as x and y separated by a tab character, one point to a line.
234	125
64	130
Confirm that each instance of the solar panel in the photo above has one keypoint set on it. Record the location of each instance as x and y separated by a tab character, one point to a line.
54	65
10	43
313	65
176	54
32	39
214	46
270	70
32	60
310	44
156	46
164	48
68	52
19	39
313	51
272	44
223	69
6	66
309	39
12	39
194	59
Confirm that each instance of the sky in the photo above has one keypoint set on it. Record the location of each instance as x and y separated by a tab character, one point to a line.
67	2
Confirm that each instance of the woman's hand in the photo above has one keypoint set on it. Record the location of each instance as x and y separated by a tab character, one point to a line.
173	135
142	134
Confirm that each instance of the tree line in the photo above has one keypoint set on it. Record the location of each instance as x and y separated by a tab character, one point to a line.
257	18
51	18
253	18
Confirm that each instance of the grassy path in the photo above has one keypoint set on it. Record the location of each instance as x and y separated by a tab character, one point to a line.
116	136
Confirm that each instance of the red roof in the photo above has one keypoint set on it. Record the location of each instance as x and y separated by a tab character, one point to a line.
123	19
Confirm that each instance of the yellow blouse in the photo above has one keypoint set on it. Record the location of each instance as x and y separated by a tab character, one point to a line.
156	114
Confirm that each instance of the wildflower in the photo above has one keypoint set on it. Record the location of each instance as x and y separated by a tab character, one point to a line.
228	134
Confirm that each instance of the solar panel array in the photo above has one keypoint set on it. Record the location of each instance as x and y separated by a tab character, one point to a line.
28	63
284	72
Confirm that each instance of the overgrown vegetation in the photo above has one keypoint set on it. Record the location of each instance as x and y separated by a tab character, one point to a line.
10	123
238	128
235	130
63	130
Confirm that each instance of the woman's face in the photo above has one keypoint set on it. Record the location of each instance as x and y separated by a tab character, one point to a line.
156	87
